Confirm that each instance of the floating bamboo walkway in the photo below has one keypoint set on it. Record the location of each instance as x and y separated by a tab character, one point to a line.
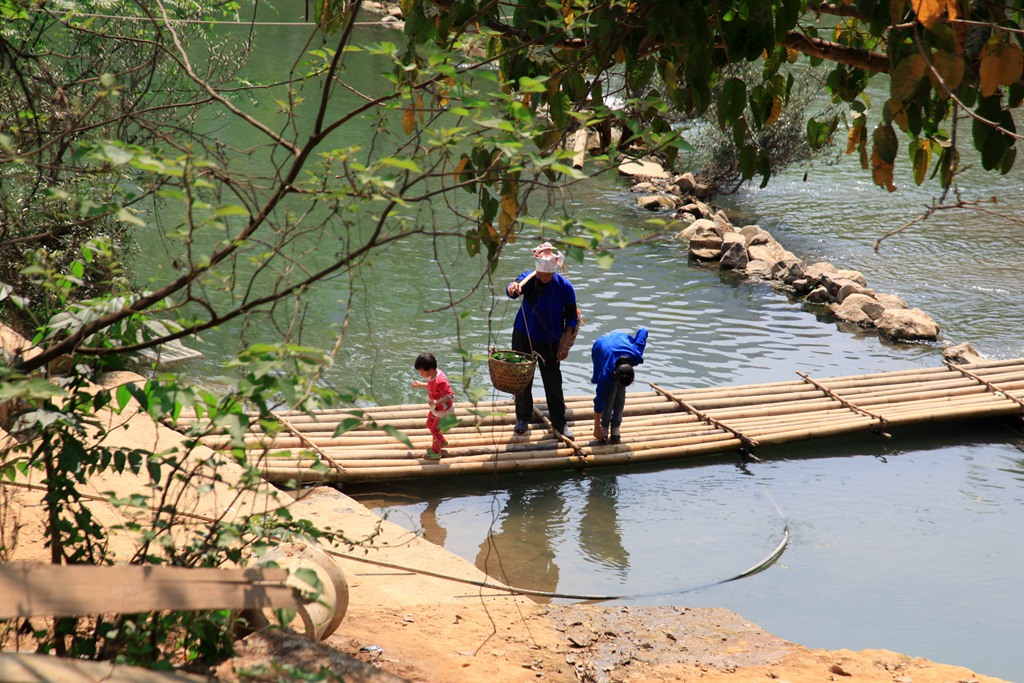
661	424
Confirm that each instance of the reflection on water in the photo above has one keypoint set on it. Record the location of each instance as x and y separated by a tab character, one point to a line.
518	548
600	532
432	529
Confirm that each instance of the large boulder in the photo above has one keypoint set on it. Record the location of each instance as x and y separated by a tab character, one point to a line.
758	269
734	252
851	288
693	208
788	270
656	202
644	187
770	251
853	275
907	324
642	169
815	270
706	239
755	235
818	295
688	185
891	301
962	354
859	308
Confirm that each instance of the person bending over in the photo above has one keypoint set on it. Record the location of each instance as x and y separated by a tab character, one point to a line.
614	356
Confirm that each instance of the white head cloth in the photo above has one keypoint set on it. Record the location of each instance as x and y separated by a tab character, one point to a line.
549	259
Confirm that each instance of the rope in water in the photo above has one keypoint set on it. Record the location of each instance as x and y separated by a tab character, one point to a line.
757	568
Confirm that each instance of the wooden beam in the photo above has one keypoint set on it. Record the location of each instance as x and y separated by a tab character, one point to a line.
29	589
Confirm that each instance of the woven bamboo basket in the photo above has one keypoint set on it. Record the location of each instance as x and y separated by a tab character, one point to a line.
511	377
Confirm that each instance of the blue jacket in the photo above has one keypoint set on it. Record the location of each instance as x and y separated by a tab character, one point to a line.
607	349
547	309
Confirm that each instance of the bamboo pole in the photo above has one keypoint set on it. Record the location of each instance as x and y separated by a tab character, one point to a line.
441	469
473	455
656	426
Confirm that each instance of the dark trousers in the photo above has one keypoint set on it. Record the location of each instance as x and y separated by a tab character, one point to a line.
614	404
550	374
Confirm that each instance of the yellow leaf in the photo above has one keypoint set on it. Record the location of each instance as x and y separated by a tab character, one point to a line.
419	105
620	55
989	71
948	67
792	55
881	172
443	88
854	137
929	12
899	113
959	29
1011	64
509	211
459	168
921	159
408	120
568	11
907	74
776	110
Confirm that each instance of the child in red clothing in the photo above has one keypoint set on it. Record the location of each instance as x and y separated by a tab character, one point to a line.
439	397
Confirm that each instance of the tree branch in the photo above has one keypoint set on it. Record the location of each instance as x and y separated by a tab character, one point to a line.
874	62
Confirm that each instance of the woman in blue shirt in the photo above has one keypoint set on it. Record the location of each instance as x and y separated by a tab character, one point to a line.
546	324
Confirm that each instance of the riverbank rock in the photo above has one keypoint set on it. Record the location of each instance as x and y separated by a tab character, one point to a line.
962	354
754	252
751	250
906	323
641	168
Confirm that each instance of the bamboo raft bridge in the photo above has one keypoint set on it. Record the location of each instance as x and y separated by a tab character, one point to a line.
658	425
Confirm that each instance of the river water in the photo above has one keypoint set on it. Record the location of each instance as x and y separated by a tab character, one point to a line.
909	543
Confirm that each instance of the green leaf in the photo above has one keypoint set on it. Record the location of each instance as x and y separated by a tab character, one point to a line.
528	84
404	164
748	161
231	210
128	216
345	425
124	395
388	429
605	260
732	102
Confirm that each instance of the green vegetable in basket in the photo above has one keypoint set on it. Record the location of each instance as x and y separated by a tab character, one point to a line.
509	357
